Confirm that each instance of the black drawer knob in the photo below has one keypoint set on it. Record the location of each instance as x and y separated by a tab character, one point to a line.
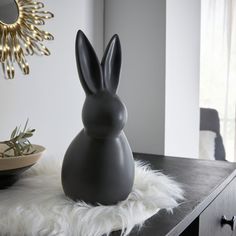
225	221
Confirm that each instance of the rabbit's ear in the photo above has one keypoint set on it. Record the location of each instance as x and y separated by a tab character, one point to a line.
89	68
111	63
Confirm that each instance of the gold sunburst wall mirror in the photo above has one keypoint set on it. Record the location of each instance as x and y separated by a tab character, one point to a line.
21	34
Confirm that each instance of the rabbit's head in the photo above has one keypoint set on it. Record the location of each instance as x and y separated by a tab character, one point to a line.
103	112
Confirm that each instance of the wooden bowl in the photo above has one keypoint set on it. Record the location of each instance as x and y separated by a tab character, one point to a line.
12	167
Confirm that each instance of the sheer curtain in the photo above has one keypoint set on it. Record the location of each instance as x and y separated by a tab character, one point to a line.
218	66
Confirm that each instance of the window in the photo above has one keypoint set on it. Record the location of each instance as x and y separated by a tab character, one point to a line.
218	66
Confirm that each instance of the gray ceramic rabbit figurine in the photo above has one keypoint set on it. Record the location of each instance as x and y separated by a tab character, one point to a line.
98	166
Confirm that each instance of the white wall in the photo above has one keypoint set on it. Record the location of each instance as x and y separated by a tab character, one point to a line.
157	37
160	77
51	96
182	77
141	27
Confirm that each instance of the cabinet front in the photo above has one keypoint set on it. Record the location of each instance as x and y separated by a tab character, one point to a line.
218	219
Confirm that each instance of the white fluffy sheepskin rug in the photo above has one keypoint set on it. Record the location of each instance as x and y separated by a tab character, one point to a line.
37	206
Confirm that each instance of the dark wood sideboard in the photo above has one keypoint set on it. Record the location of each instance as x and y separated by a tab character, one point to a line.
210	192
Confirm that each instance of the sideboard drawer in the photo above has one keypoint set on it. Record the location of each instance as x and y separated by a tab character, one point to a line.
223	205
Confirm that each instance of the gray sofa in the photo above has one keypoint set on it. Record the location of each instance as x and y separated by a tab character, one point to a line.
209	120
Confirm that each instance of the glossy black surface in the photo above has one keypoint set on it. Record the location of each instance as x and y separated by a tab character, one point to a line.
98	166
9	11
9	177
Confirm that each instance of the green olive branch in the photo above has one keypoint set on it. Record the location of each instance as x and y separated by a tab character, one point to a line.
19	142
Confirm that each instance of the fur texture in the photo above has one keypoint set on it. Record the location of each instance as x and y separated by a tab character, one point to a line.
36	205
207	145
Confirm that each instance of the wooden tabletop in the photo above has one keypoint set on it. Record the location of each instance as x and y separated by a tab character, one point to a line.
202	181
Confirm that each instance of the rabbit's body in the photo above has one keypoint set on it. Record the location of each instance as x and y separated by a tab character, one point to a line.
101	170
98	166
